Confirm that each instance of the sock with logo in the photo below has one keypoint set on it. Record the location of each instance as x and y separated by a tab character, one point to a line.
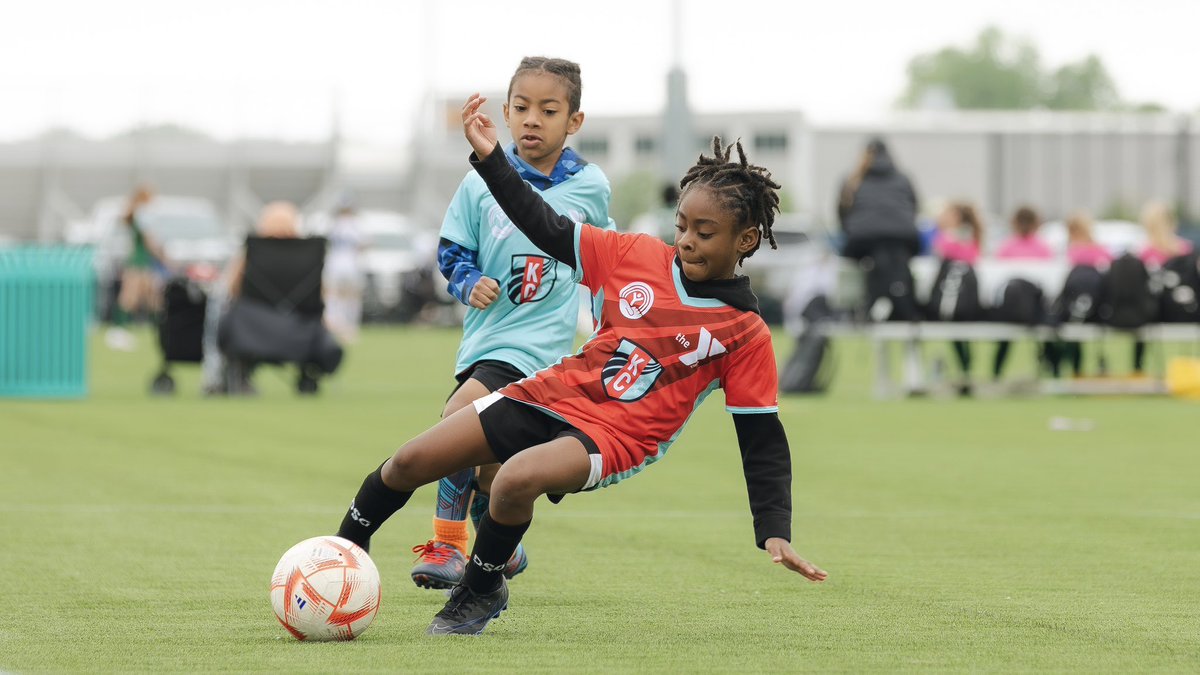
374	503
494	545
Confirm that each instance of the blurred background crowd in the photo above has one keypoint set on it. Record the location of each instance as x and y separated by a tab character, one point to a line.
981	143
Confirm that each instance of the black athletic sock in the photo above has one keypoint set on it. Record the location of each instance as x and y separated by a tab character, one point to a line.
494	545
374	503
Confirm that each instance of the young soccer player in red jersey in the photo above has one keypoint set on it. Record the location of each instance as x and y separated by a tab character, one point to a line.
677	323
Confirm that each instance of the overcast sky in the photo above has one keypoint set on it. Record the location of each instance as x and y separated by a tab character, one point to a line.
274	67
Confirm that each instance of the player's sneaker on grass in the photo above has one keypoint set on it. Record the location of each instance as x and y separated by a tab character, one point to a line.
438	565
517	563
467	612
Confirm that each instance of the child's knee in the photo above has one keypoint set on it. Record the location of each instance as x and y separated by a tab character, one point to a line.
517	482
403	470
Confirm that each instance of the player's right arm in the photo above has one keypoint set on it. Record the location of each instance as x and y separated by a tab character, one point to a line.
458	249
464	279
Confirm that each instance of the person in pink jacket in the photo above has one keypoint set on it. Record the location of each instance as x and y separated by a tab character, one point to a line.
959	238
1082	251
1082	248
1024	244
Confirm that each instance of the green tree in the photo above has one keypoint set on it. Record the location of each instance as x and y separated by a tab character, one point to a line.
1082	86
995	73
1000	72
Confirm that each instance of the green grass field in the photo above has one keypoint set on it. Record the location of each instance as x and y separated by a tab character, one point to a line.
139	534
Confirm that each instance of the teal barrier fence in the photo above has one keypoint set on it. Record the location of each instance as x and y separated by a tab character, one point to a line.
46	302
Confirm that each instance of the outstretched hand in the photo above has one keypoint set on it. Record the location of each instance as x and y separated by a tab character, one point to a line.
478	127
781	552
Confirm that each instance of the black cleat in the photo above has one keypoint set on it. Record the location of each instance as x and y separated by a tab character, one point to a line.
468	613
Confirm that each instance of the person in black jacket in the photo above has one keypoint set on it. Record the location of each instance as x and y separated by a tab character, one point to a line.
877	207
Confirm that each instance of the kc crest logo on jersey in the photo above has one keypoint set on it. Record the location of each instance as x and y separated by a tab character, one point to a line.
636	300
630	373
531	278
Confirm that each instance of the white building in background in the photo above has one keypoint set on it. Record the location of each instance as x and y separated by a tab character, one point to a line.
1056	162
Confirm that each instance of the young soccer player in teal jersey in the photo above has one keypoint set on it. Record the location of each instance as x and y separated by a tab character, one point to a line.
523	303
678	322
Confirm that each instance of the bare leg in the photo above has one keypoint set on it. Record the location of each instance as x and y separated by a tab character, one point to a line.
559	466
455	443
454	494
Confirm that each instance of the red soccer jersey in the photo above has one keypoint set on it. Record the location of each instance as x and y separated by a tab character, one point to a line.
657	354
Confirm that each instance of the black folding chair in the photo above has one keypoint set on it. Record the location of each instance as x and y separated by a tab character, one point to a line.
277	317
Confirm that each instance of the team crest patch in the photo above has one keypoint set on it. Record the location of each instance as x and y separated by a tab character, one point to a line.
630	373
532	278
636	300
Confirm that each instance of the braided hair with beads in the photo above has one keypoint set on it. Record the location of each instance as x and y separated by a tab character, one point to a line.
744	188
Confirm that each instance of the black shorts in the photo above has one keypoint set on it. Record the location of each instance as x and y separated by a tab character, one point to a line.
491	374
511	426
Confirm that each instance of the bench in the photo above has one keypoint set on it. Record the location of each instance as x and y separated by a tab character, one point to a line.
842	281
880	335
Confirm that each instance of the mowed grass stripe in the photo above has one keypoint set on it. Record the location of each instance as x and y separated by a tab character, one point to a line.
960	535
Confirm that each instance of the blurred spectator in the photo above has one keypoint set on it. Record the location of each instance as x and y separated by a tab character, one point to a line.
959	238
1082	248
1082	251
1024	244
1163	243
278	220
344	276
959	233
877	207
140	288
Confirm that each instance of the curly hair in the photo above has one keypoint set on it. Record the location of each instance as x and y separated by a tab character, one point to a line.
745	189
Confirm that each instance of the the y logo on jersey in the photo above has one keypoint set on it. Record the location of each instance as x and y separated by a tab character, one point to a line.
531	278
630	372
709	346
636	300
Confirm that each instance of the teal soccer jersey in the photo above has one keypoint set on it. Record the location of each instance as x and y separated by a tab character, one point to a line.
532	324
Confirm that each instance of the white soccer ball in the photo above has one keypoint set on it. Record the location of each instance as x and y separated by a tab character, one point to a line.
325	588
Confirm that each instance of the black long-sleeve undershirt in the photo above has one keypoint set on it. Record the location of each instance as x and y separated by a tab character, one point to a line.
767	466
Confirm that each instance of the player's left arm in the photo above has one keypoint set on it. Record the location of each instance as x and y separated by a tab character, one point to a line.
767	465
751	386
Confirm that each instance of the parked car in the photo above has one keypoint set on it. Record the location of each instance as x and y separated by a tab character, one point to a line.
803	248
395	249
